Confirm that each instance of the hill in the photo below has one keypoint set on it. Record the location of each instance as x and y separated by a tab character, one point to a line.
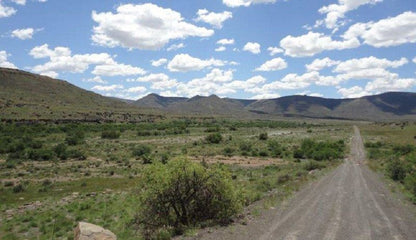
386	106
28	96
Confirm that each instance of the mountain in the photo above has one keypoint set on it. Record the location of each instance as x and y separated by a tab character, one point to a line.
27	96
386	106
24	95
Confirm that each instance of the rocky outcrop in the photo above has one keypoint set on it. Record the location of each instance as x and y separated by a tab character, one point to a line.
88	231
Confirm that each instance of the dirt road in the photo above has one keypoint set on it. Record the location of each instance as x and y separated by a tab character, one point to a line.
350	203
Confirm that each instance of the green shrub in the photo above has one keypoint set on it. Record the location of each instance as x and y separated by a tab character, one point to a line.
320	150
275	148
41	154
228	151
75	138
183	193
214	138
396	170
263	136
141	150
410	183
18	188
60	151
312	165
246	146
110	134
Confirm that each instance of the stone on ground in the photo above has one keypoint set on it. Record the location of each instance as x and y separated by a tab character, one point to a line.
88	231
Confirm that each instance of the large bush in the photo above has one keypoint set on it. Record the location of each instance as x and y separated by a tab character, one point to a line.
214	138
396	170
327	150
183	193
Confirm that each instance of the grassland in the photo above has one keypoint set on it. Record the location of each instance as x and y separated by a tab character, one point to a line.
391	150
54	175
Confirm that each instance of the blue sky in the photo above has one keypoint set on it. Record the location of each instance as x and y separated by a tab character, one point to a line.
231	48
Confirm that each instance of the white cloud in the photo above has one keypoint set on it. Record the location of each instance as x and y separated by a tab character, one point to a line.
23	34
215	19
20	2
386	32
186	63
138	89
96	79
109	88
252	47
335	12
117	69
218	75
353	92
220	49
369	63
319	64
6	11
175	47
160	62
61	60
154	77
273	65
143	26
394	84
245	3
226	41
414	60
265	96
313	43
4	62
274	50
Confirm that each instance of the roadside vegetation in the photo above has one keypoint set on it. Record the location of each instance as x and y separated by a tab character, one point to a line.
124	177
391	149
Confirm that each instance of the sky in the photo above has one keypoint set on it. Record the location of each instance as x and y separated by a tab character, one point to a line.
251	49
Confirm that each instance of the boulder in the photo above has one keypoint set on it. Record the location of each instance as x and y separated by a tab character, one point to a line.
88	231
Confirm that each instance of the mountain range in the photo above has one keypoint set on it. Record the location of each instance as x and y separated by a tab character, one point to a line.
24	95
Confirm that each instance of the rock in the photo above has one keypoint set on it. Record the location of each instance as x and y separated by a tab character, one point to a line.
88	231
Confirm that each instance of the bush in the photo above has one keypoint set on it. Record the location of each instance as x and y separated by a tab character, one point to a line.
41	154
396	170
75	138
410	183
141	150
263	136
110	134
18	188
245	146
275	149
320	150
228	151
214	138
60	151
181	194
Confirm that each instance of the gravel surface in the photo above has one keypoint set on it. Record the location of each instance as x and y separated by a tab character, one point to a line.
351	202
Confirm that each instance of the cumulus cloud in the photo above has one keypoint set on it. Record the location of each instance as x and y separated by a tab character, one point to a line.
143	26
319	64
96	79
160	62
273	65
138	89
220	49
20	2
353	92
274	50
335	12
414	60
4	62
313	43
215	19
159	81
175	47
62	60
265	96
387	32
23	34
369	63
107	88
245	3
186	63
226	41
252	47
6	11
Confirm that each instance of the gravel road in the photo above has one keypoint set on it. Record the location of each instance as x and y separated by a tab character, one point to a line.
351	202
